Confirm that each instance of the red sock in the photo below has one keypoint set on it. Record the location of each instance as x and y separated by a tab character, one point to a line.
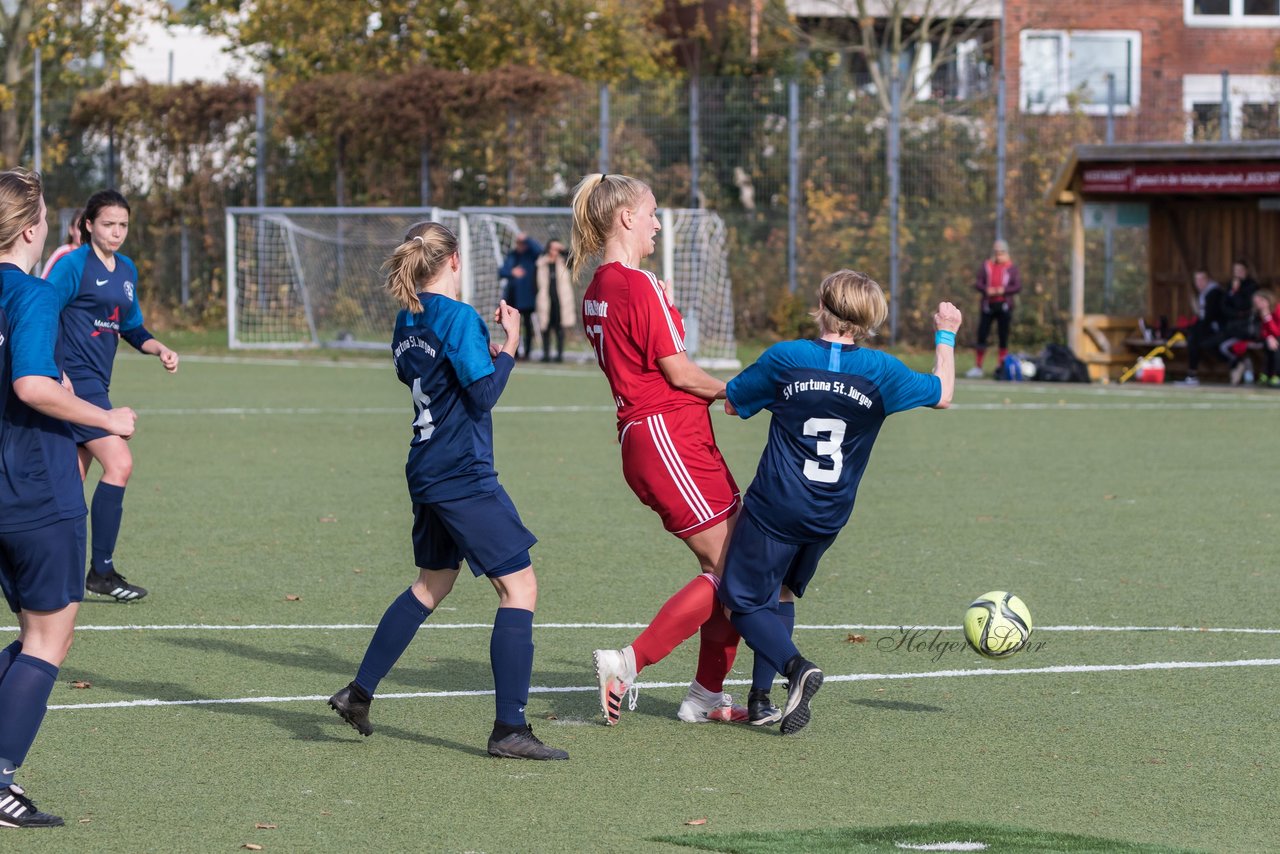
676	621
719	646
978	355
1003	353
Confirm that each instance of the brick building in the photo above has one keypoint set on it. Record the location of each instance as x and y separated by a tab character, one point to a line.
1167	58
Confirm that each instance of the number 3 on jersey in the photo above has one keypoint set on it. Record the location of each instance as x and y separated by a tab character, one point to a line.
422	424
829	447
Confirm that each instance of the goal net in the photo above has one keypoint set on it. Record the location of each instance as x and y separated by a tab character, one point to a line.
309	277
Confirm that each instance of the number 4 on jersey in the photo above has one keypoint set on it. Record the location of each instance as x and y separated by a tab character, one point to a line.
422	424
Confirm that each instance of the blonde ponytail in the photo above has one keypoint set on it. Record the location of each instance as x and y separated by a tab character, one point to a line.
596	200
417	262
20	193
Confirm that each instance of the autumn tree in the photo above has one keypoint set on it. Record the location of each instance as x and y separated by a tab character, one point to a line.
600	40
80	43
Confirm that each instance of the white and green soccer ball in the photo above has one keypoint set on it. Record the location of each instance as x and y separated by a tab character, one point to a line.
997	624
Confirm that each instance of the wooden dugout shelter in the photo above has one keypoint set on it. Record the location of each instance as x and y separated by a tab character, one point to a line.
1208	204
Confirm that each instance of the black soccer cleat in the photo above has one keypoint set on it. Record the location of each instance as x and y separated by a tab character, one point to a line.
353	710
760	709
17	810
522	744
113	584
803	681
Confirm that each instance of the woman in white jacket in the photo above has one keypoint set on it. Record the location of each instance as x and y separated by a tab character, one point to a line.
555	301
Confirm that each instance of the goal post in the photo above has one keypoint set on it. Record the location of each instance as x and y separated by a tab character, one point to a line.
310	277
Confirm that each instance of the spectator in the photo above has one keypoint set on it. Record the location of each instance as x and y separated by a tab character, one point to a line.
1264	302
1208	325
1239	321
554	303
521	290
997	281
73	242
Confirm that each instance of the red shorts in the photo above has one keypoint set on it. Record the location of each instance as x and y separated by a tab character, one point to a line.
672	464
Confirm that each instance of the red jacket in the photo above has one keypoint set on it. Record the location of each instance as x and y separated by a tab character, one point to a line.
990	271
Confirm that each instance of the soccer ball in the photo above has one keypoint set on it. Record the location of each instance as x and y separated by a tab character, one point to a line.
997	624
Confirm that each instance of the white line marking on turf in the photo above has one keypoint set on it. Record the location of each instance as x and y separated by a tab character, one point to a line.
942	846
580	689
347	410
892	627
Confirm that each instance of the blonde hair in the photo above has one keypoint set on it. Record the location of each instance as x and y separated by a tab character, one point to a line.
596	201
20	194
851	304
417	261
1269	297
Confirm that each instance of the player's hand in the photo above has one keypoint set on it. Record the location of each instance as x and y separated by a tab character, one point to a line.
728	407
947	317
121	421
509	319
666	289
169	359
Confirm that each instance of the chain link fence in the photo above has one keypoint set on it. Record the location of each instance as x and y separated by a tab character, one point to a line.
797	172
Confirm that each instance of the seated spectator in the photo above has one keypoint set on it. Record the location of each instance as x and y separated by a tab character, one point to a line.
1264	303
1203	334
1240	321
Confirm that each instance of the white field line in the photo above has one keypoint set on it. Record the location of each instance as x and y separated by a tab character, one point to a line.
891	627
347	410
376	364
582	689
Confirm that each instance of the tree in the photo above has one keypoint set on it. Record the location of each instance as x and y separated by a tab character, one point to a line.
81	43
294	40
903	39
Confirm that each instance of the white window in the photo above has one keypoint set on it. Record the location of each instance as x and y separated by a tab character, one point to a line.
1251	101
1065	69
1231	13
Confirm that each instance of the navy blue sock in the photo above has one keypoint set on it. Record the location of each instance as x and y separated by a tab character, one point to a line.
763	673
511	656
24	695
765	633
392	637
7	655
105	513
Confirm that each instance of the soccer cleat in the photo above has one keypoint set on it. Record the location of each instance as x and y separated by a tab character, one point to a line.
1275	382
523	744
803	681
17	810
760	709
701	706
352	710
974	373
1191	379
113	584
616	682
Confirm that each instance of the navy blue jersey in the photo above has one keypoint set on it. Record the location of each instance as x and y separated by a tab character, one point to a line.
100	304
6	373
828	402
438	353
39	475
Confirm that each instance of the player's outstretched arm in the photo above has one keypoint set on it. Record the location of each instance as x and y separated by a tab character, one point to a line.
46	395
683	374
946	320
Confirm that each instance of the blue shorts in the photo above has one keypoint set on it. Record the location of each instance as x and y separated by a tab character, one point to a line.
90	391
43	569
485	529
757	566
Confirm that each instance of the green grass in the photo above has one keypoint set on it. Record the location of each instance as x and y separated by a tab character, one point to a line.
260	480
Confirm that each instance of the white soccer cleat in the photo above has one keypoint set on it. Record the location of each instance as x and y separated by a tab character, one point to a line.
701	706
974	373
617	680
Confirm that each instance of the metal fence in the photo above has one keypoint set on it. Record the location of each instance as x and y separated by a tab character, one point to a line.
798	170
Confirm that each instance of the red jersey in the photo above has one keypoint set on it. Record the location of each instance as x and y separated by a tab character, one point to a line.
632	324
1271	326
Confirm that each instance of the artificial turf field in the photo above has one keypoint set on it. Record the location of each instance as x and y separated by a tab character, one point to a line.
268	516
